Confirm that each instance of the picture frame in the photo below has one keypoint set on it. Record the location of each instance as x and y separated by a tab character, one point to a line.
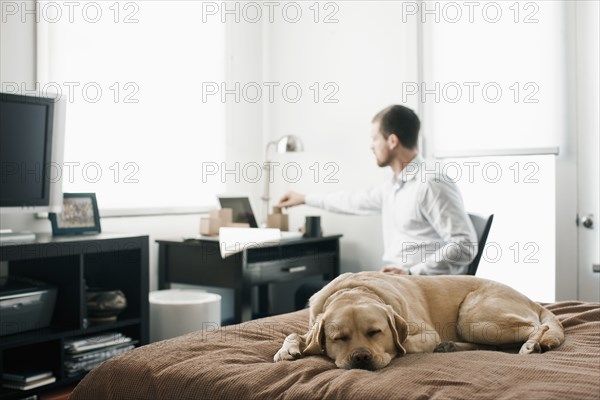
79	215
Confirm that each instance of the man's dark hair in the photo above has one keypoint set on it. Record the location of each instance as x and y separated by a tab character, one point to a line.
400	121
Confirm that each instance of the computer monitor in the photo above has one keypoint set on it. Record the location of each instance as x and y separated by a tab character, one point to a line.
31	153
242	211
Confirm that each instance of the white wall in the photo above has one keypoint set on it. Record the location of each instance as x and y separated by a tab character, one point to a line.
244	143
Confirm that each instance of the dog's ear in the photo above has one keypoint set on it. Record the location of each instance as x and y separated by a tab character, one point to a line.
315	337
399	328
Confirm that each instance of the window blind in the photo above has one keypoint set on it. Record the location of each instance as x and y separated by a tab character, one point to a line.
138	130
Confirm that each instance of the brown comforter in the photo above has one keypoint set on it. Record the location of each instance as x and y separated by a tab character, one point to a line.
236	362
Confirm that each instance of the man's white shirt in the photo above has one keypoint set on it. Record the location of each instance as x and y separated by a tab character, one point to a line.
425	225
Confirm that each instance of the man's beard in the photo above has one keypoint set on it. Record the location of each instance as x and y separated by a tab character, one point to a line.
385	162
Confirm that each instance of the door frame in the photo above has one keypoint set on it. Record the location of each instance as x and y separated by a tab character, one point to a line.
568	189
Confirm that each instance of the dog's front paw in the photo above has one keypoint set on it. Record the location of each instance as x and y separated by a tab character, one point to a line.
286	355
445	347
290	349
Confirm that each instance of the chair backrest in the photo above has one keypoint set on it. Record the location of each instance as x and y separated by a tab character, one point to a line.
482	226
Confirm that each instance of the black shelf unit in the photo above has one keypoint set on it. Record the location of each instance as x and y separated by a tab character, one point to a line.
71	263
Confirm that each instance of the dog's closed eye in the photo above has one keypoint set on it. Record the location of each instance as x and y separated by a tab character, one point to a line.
373	332
343	338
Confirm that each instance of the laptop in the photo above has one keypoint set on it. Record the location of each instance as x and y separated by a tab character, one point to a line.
242	211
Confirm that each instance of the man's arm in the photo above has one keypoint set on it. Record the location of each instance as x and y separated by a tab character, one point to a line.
291	199
443	207
364	202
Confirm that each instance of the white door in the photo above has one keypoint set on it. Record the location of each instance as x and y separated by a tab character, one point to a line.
588	166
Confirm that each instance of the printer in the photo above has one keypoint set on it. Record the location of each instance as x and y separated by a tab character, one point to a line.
25	304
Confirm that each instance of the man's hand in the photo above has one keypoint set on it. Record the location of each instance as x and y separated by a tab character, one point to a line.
395	270
291	199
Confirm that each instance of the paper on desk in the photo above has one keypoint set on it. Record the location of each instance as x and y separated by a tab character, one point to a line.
234	240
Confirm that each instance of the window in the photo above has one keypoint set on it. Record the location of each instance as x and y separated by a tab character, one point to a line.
498	82
519	191
138	129
495	83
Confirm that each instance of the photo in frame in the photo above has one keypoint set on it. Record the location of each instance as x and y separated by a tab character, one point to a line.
79	215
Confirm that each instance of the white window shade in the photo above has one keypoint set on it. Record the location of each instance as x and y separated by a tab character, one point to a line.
495	98
522	54
135	114
520	192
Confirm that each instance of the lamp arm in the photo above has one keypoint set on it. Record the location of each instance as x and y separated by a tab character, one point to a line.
267	168
269	145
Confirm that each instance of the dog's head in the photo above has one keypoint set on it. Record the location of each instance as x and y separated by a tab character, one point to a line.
358	331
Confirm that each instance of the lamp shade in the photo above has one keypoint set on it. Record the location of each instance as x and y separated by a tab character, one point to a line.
289	144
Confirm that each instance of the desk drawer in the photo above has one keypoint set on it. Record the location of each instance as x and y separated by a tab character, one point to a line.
290	268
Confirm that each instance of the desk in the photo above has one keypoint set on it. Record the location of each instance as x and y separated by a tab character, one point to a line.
199	262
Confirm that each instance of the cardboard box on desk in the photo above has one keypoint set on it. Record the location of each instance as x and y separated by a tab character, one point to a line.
238	225
217	219
278	220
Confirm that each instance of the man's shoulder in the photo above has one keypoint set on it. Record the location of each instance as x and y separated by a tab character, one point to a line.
433	180
433	173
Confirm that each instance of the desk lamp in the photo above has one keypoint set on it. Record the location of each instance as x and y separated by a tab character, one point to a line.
285	144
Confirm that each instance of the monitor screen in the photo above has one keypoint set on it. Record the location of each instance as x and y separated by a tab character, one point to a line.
242	211
25	150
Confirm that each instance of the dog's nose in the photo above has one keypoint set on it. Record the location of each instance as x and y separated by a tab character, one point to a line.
361	358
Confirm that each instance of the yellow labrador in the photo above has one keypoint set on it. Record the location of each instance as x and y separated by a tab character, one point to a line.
364	320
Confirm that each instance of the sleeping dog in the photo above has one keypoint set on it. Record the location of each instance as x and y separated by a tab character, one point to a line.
363	320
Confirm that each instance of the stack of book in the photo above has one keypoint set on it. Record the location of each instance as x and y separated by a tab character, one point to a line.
83	354
25	380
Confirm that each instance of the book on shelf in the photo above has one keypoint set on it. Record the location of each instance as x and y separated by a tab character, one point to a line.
29	385
79	345
25	376
76	364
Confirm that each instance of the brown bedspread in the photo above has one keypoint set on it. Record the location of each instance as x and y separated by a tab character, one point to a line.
236	362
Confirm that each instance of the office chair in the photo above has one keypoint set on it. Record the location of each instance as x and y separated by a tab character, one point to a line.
482	228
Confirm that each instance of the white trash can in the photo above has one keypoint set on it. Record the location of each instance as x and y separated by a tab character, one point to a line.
174	312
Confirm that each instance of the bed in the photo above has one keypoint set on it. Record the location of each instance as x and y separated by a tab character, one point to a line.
235	362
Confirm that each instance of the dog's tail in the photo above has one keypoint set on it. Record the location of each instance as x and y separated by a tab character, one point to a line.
554	336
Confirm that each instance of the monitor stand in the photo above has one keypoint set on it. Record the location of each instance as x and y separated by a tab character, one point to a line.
8	236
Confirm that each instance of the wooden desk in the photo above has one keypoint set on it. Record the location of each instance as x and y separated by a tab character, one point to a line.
199	262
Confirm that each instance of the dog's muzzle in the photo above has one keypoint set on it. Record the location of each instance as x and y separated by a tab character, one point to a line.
362	359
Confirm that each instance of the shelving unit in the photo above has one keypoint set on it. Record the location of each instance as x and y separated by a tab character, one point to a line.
72	263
